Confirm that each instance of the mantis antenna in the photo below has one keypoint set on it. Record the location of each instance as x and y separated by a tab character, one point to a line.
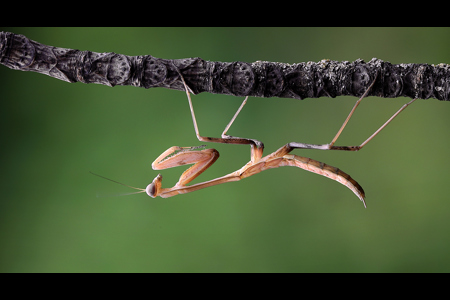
140	190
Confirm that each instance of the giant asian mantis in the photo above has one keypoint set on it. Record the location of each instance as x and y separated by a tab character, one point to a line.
202	159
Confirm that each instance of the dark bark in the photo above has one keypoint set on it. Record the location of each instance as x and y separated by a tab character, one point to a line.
261	79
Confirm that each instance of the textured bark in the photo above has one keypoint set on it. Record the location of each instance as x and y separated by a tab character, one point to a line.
261	78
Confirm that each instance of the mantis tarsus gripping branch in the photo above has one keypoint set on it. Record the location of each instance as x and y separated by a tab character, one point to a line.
203	159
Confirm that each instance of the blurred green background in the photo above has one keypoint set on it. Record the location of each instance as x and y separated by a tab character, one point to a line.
282	220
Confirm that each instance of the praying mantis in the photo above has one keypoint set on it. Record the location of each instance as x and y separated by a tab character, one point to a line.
202	159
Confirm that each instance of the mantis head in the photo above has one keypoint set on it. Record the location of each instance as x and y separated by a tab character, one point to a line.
154	188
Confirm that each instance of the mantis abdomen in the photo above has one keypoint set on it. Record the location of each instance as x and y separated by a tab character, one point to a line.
311	165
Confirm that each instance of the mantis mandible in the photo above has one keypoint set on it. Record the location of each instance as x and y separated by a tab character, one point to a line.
202	159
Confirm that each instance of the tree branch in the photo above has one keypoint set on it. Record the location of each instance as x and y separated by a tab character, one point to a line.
326	78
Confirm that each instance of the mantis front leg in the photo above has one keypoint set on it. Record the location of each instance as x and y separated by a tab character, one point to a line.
178	156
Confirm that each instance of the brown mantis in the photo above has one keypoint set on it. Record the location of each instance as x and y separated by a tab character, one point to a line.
203	159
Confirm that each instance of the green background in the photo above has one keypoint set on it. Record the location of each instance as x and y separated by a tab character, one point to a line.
282	220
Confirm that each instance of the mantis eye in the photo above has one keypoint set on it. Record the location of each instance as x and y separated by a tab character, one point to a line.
151	190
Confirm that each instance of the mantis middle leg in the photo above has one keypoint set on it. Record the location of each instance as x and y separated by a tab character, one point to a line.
257	147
